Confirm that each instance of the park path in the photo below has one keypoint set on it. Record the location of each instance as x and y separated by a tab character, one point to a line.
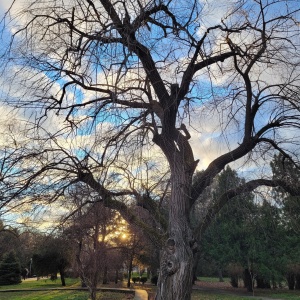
140	295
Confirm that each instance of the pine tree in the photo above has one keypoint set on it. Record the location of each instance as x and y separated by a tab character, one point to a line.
10	269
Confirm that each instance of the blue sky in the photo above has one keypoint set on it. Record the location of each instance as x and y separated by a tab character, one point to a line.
208	139
207	121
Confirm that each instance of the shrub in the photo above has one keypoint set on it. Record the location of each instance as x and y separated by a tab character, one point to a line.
134	279
143	280
53	277
154	279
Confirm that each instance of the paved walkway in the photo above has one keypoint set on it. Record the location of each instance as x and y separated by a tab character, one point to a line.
141	295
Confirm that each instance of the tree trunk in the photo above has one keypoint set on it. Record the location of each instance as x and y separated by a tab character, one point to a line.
129	270
234	280
248	280
297	285
93	294
116	276
220	274
177	257
291	281
105	275
62	277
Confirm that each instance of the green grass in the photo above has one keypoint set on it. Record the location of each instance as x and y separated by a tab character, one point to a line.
59	295
42	283
45	295
201	295
52	295
286	295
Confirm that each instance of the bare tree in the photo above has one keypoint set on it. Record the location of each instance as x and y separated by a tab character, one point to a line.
138	76
90	227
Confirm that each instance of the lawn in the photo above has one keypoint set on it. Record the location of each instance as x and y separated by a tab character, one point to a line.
45	295
203	295
55	294
60	295
83	295
222	291
42	283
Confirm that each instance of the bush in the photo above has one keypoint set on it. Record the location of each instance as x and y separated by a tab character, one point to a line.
143	280
154	279
134	279
53	277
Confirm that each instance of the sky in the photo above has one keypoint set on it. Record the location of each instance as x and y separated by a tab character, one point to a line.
208	140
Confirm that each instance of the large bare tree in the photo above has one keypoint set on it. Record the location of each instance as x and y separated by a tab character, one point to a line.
135	77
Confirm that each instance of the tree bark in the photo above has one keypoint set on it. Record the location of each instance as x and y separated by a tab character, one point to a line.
177	256
175	276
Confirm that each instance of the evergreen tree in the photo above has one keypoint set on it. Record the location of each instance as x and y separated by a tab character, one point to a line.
10	269
248	239
226	240
285	169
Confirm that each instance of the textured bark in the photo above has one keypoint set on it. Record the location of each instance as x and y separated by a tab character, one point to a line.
175	278
177	257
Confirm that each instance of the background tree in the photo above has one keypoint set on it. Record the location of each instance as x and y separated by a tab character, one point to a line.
137	74
9	239
22	240
285	170
52	256
95	233
10	269
251	236
225	240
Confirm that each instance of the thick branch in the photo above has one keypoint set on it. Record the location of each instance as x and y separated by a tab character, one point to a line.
107	196
217	165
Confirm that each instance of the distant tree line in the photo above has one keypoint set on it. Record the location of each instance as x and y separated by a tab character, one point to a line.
255	238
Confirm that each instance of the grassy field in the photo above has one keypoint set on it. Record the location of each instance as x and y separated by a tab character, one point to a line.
42	283
55	294
216	292
45	295
82	295
202	295
60	295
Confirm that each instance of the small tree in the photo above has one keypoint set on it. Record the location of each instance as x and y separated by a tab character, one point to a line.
10	269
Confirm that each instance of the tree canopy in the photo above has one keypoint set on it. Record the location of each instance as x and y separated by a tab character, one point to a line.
110	90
